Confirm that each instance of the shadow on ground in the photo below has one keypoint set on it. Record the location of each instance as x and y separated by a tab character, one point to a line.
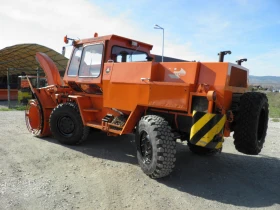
236	179
98	144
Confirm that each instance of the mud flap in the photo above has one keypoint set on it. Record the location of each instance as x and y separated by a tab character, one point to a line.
207	130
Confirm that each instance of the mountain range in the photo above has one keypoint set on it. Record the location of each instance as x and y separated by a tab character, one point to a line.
264	80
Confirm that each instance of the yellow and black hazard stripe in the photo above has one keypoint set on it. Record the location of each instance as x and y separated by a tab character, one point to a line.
207	130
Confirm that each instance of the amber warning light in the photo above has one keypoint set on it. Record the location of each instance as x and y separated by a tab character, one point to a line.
66	39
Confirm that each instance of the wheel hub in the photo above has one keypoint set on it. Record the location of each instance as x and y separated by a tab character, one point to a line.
146	148
66	125
33	117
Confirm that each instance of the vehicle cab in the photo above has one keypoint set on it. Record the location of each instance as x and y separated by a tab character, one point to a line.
86	64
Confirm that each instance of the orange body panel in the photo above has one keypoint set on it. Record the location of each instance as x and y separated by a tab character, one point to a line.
50	69
217	76
47	104
34	115
148	84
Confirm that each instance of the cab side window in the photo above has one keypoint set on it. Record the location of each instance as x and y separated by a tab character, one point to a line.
75	62
121	54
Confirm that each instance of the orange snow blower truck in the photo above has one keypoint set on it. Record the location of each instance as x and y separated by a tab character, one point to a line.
113	84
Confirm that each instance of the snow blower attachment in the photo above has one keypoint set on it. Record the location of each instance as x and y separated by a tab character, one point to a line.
114	85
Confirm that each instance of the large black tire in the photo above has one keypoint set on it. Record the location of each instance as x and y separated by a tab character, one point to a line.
66	124
156	146
202	150
251	123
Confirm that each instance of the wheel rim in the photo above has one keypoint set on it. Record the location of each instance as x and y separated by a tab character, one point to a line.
66	125
33	117
146	148
261	125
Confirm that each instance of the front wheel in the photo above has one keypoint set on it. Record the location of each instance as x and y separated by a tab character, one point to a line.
156	146
66	124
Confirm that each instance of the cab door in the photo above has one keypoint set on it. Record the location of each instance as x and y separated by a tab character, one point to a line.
85	68
91	64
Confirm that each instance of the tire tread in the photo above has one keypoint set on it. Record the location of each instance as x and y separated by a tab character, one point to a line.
85	129
246	128
165	146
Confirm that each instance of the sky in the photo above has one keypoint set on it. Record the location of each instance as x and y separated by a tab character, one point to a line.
193	29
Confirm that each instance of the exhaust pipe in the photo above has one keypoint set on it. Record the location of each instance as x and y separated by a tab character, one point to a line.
222	54
239	62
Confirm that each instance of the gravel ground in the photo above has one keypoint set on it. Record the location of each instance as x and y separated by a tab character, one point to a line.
103	173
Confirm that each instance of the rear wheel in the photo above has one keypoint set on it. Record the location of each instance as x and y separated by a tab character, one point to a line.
156	146
66	124
251	123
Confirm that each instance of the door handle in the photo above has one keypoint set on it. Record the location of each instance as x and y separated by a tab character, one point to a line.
142	79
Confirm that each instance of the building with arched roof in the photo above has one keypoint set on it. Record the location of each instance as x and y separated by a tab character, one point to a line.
20	60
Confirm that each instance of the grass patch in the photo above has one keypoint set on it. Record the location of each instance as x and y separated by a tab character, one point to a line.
18	108
5	109
274	104
276	120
